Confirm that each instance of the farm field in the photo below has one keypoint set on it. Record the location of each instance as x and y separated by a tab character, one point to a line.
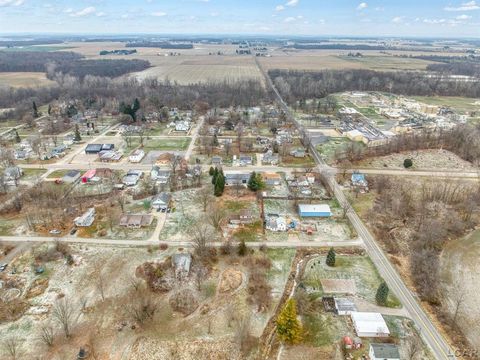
329	59
24	79
191	66
459	103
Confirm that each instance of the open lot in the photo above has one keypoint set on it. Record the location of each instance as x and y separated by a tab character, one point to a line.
105	321
24	79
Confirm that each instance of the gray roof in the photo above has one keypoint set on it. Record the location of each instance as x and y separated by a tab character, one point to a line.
163	197
385	351
72	173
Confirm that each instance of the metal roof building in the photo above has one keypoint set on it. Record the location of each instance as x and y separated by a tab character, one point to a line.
314	210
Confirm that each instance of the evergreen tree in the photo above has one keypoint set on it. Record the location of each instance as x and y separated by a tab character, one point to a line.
214	176
382	294
242	248
49	111
77	134
17	137
219	184
35	110
331	257
211	171
289	329
407	163
255	182
136	105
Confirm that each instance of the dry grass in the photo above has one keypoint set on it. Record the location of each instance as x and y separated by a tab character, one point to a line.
24	79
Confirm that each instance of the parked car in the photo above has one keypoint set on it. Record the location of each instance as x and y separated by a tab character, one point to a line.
55	232
73	231
3	267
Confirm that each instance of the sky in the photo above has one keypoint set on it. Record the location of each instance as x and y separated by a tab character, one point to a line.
421	18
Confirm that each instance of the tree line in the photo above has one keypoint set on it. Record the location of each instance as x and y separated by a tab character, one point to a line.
67	63
297	85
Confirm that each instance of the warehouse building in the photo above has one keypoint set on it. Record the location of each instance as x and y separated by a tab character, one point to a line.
314	210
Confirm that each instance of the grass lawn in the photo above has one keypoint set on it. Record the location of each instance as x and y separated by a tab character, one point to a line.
32	173
354	267
459	103
327	150
167	144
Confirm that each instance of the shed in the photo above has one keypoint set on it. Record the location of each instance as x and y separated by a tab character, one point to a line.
71	176
369	324
314	210
344	306
93	148
88	176
384	352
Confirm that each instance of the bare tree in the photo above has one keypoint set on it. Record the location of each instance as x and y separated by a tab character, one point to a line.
413	349
204	197
202	235
458	296
63	312
215	217
47	334
12	346
141	306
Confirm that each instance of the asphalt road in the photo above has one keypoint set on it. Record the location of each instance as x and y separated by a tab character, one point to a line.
430	334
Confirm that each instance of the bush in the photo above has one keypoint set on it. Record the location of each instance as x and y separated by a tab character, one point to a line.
163	246
242	249
331	257
407	163
382	294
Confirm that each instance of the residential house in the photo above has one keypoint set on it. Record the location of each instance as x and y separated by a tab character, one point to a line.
298	153
244	217
162	201
369	324
217	161
272	179
71	176
275	222
136	156
165	159
182	126
58	150
21	154
132	177
135	220
161	176
110	156
86	219
233	178
314	210
359	181
383	352
245	160
270	158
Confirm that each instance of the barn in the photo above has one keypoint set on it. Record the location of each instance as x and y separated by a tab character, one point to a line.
369	324
314	210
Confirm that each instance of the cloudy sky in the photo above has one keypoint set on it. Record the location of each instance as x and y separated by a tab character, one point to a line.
293	17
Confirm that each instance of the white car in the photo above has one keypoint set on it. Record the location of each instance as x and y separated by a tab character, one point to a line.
55	232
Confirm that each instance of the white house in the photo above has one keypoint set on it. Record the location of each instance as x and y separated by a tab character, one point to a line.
182	126
368	324
136	156
86	219
159	175
383	352
161	201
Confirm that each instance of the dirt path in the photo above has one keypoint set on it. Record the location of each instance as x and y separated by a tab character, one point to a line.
161	218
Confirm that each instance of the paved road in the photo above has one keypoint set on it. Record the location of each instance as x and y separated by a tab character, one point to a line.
143	243
191	146
430	334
